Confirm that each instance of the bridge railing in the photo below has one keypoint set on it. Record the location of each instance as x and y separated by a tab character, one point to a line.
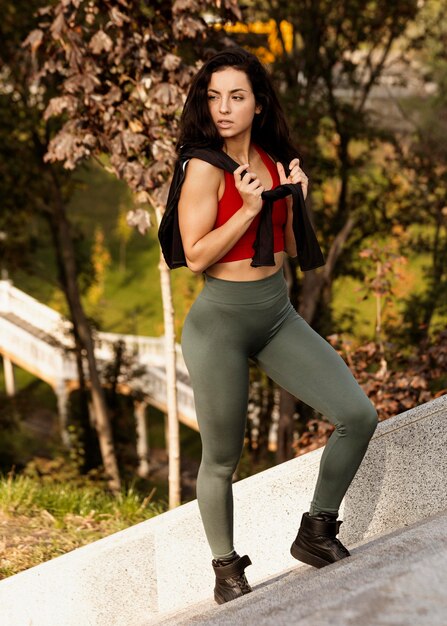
27	308
56	364
49	362
154	384
30	310
149	350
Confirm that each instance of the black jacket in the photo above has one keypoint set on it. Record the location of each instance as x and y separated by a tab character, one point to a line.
308	249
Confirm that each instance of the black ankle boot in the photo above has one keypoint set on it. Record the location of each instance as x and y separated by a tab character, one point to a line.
231	582
315	543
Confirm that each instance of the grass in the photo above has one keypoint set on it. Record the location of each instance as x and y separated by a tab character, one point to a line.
41	520
21	494
48	509
45	515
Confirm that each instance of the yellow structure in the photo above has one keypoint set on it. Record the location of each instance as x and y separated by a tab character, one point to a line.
275	37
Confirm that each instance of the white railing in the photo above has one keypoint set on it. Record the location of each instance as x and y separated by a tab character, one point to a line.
30	310
51	362
56	364
154	384
149	350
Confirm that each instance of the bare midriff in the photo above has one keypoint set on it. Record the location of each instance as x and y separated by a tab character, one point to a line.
242	270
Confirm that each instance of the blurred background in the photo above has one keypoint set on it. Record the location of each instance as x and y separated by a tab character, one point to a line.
90	97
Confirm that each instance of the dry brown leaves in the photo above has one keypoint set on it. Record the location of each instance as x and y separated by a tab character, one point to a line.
27	541
408	381
120	80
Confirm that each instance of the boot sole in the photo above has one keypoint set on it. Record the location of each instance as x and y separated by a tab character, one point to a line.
311	559
221	600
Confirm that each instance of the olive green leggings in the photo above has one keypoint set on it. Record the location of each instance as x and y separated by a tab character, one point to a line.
231	322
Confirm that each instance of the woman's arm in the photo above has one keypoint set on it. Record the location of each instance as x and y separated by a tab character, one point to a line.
197	211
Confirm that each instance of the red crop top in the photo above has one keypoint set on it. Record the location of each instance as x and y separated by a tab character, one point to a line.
231	202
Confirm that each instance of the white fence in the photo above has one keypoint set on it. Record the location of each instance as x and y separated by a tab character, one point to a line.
43	359
54	362
33	312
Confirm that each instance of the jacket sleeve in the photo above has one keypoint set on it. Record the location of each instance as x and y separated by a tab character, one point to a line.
169	231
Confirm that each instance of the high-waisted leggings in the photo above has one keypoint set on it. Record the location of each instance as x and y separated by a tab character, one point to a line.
231	322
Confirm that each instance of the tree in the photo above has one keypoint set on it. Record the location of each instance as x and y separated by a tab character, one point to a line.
422	158
385	260
122	68
340	52
46	196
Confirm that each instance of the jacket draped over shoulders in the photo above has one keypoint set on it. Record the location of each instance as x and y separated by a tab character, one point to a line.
309	252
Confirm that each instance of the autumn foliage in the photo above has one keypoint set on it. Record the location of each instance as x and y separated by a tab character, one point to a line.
121	81
111	76
413	379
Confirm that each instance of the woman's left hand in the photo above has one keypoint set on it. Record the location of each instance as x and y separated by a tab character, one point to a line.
296	175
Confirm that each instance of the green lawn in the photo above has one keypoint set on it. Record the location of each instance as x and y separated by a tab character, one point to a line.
41	520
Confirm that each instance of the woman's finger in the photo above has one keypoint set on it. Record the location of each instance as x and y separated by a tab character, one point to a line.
297	175
238	171
282	173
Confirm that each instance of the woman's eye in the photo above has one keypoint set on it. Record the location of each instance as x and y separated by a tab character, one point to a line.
210	97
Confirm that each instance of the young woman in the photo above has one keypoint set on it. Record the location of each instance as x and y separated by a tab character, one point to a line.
244	313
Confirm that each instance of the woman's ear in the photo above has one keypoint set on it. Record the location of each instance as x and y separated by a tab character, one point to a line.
258	109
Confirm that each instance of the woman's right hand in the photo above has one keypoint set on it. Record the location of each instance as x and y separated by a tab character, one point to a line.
250	190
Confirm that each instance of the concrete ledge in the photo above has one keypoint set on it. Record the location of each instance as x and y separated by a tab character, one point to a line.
392	580
163	565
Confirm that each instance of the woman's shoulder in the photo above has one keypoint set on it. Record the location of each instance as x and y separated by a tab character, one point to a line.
200	165
203	172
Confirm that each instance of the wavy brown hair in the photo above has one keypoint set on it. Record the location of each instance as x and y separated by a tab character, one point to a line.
270	129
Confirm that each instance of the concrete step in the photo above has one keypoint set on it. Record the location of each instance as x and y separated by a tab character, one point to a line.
162	566
396	579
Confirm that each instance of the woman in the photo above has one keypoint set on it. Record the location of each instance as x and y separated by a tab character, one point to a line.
244	313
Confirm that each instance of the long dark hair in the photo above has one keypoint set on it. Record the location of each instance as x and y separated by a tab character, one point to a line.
269	130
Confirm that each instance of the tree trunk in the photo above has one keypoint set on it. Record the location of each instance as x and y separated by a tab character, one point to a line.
89	441
67	264
314	281
439	263
171	378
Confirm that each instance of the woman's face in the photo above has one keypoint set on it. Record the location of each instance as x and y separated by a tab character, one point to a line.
231	102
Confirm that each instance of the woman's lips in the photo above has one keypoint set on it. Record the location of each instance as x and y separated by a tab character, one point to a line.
224	123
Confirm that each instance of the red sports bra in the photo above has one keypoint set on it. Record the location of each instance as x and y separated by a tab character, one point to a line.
231	202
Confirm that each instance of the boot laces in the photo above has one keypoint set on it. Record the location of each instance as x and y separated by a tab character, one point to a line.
243	583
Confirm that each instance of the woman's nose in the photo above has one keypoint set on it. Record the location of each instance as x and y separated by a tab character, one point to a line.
224	105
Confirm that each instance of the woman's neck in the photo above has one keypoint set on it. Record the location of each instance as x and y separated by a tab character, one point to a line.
240	150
